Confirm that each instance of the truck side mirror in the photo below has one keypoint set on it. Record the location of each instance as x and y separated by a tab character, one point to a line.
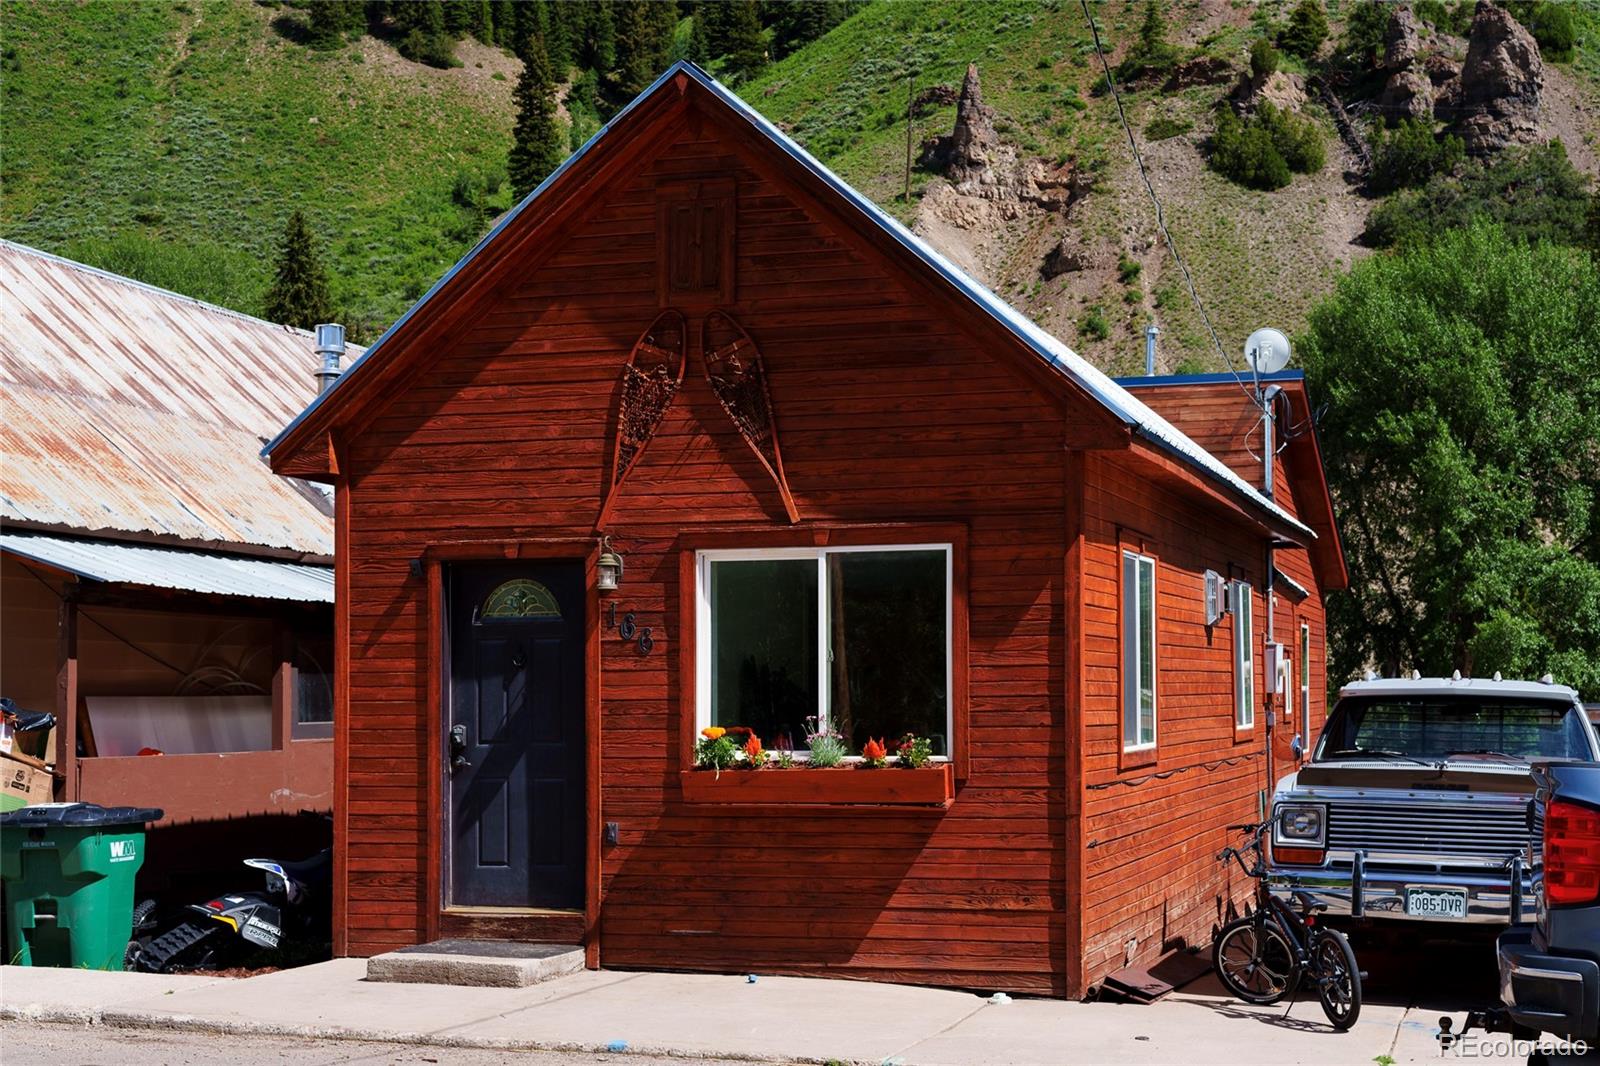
1297	747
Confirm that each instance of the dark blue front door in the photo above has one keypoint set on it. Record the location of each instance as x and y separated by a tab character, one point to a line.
515	747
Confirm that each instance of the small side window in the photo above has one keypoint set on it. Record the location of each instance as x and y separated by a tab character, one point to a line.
1138	651
1305	682
1244	656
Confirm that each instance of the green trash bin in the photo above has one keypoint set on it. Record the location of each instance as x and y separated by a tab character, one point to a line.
68	871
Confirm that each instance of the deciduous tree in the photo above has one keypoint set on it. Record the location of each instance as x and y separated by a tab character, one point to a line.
1462	444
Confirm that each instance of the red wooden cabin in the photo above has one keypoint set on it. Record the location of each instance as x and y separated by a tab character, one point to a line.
847	482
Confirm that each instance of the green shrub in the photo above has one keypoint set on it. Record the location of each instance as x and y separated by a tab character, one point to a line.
1263	152
434	49
1094	325
1410	154
1164	128
1306	30
1535	193
1364	32
1433	12
827	749
1263	59
1152	53
1128	269
1552	26
202	269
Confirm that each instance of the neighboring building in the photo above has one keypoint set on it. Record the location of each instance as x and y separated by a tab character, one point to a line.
970	533
163	590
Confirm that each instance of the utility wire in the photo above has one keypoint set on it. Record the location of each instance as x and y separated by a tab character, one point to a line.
1161	221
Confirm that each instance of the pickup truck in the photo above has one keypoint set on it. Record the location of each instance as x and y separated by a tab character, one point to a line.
1550	971
1416	804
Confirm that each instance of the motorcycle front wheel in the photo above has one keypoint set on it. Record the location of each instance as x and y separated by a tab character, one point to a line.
1254	960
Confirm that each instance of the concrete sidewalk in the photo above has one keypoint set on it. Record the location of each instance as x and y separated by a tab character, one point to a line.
697	1015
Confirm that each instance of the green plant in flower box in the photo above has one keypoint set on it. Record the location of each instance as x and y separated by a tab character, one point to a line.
915	751
715	750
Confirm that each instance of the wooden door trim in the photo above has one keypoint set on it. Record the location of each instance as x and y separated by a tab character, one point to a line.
438	919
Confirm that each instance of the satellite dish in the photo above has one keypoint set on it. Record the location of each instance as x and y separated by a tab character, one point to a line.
1267	351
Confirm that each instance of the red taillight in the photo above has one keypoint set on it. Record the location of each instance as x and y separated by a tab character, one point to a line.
216	905
1571	854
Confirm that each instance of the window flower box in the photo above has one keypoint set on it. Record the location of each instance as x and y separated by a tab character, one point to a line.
931	786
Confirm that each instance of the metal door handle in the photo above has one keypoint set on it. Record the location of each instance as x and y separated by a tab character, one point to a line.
458	748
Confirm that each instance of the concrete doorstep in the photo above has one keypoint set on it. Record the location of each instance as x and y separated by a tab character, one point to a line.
724	1016
476	963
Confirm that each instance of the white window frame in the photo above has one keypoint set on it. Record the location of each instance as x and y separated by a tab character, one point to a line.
705	557
1244	656
1305	683
1134	638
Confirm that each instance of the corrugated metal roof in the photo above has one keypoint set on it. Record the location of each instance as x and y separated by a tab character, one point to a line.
175	568
141	411
1145	422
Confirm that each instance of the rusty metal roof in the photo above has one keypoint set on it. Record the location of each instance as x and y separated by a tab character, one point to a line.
136	412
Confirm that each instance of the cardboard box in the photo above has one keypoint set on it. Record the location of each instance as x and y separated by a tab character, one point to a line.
23	784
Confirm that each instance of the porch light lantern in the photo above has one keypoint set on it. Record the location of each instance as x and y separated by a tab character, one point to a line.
609	567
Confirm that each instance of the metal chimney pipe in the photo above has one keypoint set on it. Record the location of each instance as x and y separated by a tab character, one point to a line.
1151	332
330	350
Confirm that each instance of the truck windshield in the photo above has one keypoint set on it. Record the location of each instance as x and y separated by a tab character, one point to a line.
1435	727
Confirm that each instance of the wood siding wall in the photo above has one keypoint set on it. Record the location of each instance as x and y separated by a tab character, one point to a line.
886	413
1153	822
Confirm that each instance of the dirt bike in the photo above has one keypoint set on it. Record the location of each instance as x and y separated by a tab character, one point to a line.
239	928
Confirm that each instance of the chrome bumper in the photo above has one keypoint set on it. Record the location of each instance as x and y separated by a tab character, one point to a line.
1350	887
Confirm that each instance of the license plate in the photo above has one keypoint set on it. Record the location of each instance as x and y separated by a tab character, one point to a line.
1436	902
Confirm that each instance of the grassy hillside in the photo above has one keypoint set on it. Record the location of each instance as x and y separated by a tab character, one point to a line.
128	126
169	140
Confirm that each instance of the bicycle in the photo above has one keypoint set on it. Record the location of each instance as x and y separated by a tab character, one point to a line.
1265	955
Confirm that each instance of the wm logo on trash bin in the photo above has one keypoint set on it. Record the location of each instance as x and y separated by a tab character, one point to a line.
123	851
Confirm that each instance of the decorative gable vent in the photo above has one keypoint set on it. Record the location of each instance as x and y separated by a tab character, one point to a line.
695	243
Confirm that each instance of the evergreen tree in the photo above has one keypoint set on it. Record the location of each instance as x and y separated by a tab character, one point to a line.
645	29
713	15
595	39
537	146
504	15
425	16
563	29
699	40
635	56
299	292
747	44
663	31
796	23
328	20
1307	29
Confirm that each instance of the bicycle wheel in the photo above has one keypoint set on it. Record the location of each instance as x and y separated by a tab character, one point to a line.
1333	965
1254	960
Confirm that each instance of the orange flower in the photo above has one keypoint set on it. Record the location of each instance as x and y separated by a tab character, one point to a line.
752	747
874	751
713	732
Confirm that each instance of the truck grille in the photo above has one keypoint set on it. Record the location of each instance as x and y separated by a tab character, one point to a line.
1431	829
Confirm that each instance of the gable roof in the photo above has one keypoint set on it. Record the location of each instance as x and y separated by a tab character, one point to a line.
1116	401
1214	412
137	412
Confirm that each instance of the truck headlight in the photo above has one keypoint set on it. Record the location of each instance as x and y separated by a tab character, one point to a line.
1300	825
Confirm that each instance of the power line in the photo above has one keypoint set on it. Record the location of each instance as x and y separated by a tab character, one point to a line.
1161	221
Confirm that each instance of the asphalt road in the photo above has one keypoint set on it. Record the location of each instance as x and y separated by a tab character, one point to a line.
28	1044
